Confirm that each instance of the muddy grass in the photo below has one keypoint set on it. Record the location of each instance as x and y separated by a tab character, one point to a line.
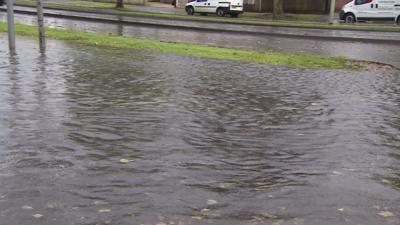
263	57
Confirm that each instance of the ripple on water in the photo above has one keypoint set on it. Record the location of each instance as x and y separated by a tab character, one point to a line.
266	143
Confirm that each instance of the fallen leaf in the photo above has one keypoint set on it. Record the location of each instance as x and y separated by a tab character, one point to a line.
211	202
51	205
386	181
38	216
26	207
197	217
161	223
205	210
385	214
337	173
341	209
104	210
98	202
124	160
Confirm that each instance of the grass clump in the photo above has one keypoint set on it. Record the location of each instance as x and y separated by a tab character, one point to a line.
268	57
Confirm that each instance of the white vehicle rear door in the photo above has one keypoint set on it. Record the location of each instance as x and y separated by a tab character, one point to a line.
386	8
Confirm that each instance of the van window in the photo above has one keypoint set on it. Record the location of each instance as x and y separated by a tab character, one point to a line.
362	2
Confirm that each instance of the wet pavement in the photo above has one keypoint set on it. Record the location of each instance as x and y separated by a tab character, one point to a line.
202	141
231	28
380	52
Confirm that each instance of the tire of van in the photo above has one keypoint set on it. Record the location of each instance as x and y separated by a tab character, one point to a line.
349	18
189	10
221	12
398	20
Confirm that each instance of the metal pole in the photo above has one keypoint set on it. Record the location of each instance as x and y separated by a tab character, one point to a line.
42	40
332	11
10	23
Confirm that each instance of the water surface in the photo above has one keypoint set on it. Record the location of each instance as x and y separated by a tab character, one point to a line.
209	141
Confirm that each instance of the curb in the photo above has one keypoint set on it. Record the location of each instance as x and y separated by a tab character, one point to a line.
183	27
211	21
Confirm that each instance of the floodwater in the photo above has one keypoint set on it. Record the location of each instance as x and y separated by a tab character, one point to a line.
381	52
204	141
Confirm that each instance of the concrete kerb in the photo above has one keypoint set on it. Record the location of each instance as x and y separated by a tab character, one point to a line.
218	30
213	21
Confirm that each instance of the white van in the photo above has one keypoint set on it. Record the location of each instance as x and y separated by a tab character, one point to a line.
220	7
357	10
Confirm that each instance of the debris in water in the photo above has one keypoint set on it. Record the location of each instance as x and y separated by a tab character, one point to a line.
124	160
211	202
26	207
104	210
385	214
38	216
197	217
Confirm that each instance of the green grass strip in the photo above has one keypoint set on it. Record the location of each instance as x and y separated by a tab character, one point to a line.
267	57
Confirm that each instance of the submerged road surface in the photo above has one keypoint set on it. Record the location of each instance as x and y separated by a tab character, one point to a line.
95	136
381	52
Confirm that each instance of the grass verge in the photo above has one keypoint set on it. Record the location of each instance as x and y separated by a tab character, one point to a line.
268	57
245	19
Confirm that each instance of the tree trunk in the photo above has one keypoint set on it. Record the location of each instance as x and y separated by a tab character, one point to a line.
120	4
277	8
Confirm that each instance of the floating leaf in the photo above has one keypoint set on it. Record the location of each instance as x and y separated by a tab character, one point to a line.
211	202
386	181
341	209
197	217
161	223
337	173
98	202
205	210
26	207
51	205
38	216
124	160
385	214
104	210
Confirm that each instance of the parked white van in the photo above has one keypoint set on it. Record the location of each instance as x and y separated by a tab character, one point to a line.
220	7
357	10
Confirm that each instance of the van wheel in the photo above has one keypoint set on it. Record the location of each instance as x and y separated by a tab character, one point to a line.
204	14
190	10
220	12
234	15
398	20
349	18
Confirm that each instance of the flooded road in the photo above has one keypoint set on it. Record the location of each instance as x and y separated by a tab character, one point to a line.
380	52
97	136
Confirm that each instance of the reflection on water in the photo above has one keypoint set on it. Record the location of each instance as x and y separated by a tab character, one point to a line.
207	141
